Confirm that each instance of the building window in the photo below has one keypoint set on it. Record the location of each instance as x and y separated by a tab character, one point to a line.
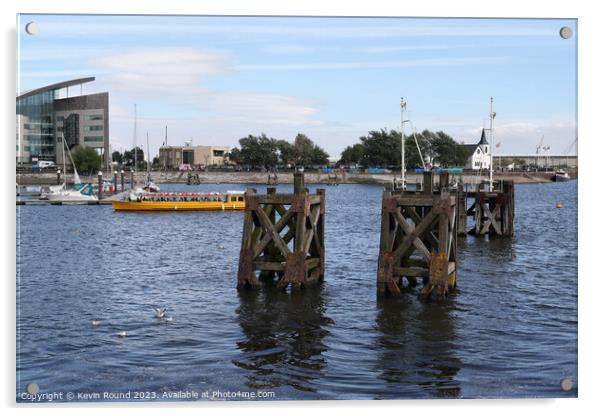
93	138
60	119
93	117
218	153
94	128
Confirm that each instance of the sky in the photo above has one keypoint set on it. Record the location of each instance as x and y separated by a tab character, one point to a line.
214	80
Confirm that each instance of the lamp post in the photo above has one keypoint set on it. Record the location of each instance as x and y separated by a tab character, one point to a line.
122	180
58	176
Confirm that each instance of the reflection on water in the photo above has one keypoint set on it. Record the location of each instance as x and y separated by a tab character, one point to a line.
284	338
416	347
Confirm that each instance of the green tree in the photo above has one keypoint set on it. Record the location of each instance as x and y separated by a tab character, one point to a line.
286	152
352	154
307	153
86	160
257	151
117	157
128	157
447	151
381	148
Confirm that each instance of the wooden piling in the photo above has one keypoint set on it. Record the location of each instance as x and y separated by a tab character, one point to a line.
461	205
58	177
494	211
283	236
418	239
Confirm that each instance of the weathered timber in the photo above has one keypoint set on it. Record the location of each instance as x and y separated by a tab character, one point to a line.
493	211
418	239
272	177
283	237
462	211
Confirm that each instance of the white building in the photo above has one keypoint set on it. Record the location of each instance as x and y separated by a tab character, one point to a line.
480	156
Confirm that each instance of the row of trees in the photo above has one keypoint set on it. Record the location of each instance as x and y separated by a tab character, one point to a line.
266	152
383	148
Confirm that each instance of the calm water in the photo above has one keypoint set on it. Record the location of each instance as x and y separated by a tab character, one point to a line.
510	330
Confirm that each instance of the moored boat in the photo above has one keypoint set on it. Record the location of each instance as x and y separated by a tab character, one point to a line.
182	201
560	176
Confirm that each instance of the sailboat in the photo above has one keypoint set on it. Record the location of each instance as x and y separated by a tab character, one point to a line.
80	192
150	186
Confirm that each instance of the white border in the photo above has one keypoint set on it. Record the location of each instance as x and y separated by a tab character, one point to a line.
589	150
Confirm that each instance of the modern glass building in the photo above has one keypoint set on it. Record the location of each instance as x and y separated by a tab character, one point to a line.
46	115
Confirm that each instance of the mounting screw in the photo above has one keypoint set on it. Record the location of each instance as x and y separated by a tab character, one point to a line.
566	32
31	28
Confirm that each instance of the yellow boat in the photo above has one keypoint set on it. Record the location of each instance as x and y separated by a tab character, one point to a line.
182	201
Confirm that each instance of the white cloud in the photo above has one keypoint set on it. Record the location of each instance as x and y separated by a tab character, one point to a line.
373	65
162	71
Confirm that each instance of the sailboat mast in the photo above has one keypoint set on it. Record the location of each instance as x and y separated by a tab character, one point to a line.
491	143
403	148
147	158
135	147
64	161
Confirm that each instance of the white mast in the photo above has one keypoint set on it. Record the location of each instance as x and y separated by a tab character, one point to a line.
491	143
135	147
403	150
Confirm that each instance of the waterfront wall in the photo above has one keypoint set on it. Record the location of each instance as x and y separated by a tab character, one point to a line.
310	177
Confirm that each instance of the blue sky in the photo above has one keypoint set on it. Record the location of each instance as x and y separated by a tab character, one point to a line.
217	79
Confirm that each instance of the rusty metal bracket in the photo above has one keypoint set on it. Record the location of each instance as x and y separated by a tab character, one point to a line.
390	204
246	271
443	205
252	202
295	269
301	204
438	276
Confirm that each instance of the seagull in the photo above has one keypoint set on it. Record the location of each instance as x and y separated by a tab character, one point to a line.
159	312
95	322
122	334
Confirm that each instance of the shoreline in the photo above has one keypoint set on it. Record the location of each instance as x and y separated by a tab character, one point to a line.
285	178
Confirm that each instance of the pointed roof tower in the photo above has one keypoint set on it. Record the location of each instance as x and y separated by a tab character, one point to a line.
483	139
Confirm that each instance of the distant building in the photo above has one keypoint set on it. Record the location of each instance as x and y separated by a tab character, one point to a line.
480	157
43	117
171	157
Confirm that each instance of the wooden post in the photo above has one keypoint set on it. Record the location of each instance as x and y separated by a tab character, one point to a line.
122	180
427	182
58	176
99	185
114	182
298	183
461	205
283	233
443	180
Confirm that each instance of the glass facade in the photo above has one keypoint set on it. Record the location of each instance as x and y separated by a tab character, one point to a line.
38	127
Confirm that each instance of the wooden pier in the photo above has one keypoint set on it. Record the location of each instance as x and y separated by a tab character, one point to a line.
283	237
493	211
418	239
